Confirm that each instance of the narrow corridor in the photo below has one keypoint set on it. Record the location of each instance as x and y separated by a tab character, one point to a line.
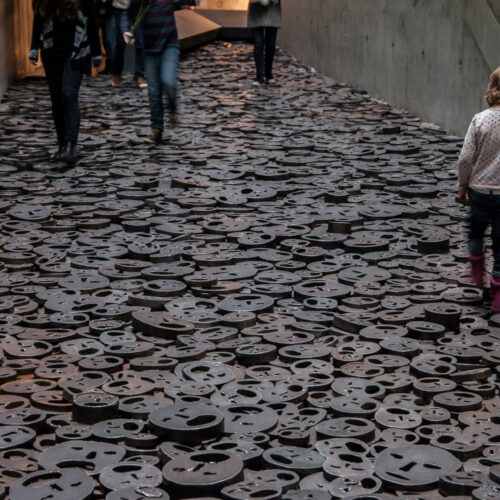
272	303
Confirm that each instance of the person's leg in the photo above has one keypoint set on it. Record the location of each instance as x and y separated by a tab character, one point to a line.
478	219
169	70
270	42
495	236
54	73
152	66
258	52
495	240
72	79
139	57
109	36
119	45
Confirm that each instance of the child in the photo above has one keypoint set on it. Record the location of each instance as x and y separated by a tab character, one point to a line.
161	54
479	182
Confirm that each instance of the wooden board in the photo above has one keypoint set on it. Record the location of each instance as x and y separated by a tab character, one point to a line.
233	22
194	29
23	23
224	4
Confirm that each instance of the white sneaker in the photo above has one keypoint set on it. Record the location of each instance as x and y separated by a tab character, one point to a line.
256	83
271	81
142	83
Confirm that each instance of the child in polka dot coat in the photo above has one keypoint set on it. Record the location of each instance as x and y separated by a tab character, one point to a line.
479	183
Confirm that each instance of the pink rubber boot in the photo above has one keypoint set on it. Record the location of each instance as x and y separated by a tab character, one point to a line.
495	295
477	269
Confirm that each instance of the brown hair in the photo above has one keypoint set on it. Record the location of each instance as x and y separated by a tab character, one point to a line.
62	10
493	91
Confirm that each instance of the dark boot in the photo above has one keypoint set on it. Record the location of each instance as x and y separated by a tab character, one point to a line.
174	117
68	154
155	136
57	155
477	269
495	294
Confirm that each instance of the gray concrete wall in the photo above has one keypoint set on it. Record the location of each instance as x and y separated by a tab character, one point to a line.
6	44
431	57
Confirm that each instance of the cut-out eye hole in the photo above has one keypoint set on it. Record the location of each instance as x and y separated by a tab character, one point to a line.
201	420
41	480
76	464
432	466
397	476
210	458
262	494
123	469
12	473
445	439
355	447
398	411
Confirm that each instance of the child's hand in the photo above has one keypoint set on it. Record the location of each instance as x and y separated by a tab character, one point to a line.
462	195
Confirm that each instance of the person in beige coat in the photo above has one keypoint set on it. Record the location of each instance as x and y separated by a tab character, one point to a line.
264	18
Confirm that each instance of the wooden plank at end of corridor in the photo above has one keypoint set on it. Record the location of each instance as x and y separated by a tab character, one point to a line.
224	4
194	29
23	22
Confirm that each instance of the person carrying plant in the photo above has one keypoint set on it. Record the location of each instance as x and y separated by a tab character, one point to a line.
161	53
118	54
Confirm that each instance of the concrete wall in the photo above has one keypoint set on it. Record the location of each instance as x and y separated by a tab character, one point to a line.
431	57
6	44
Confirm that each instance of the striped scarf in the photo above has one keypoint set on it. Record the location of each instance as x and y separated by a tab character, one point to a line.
81	45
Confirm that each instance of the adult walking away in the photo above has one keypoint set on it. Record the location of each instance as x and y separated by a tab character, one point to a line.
479	182
264	17
65	32
105	23
161	54
117	10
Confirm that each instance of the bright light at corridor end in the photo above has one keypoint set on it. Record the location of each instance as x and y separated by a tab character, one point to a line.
224	4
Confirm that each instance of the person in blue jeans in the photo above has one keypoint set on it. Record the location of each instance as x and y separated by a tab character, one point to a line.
161	54
118	54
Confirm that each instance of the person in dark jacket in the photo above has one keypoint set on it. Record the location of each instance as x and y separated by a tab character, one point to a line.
65	32
105	24
117	9
161	54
